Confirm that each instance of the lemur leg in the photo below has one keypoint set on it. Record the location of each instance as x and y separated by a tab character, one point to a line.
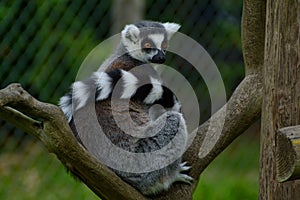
170	124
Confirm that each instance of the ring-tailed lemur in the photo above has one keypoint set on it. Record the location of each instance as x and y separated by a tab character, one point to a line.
141	43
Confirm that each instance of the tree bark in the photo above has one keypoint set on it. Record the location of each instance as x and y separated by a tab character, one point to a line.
126	12
281	97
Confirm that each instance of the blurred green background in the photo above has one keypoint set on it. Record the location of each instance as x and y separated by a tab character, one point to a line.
42	45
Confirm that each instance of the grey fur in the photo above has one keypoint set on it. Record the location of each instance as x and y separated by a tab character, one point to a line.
165	118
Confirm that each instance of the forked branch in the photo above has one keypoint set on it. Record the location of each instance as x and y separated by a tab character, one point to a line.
48	124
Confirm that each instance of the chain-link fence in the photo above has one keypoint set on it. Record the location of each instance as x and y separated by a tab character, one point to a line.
42	45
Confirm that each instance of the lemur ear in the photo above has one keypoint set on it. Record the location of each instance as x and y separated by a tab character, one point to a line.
171	28
130	33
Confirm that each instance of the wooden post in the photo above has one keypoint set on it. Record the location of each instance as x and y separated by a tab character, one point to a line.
281	95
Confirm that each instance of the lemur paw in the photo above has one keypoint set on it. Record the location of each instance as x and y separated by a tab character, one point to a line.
184	177
184	167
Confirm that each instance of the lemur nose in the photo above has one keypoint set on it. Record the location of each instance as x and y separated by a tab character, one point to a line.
159	57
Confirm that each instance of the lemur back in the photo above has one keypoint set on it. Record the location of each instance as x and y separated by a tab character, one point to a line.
129	78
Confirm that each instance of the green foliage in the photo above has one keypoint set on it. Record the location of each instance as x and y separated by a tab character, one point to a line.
32	173
46	45
233	175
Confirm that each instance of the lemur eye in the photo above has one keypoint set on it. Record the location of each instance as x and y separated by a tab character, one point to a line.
164	45
147	45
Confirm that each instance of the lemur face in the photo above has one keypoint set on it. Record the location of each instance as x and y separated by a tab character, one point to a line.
154	47
147	41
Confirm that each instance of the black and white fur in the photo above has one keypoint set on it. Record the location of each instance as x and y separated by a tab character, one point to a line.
141	43
132	88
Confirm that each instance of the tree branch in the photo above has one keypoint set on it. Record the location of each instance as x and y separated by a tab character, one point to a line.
253	35
21	121
55	133
240	112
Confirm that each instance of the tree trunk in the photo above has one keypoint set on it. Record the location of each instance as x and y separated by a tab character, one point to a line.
126	12
281	92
